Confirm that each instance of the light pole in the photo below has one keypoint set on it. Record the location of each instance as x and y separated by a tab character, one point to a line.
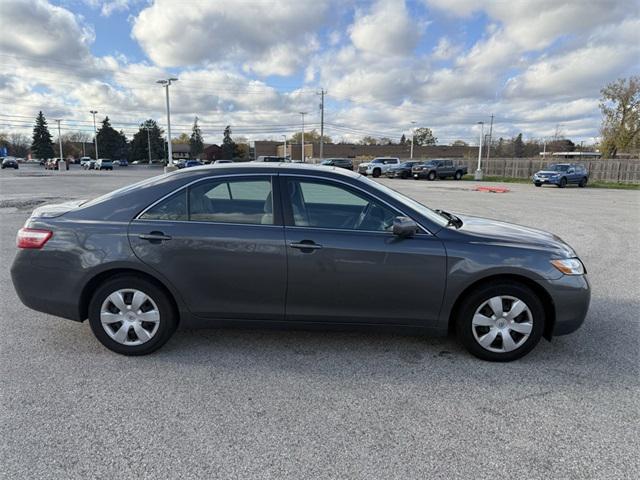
478	175
166	83
285	146
95	133
148	144
413	134
60	144
302	149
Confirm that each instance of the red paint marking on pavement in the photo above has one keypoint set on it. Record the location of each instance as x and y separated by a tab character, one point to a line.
492	189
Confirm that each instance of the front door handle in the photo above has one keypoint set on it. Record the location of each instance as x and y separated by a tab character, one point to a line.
154	236
305	245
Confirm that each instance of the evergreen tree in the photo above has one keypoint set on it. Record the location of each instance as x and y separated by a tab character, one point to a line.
196	145
518	147
403	139
138	147
41	146
229	147
111	143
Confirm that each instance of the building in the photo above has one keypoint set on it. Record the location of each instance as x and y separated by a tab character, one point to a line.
352	150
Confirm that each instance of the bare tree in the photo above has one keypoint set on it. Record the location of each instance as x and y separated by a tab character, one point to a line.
620	106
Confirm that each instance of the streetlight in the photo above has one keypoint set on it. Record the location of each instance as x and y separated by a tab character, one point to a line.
166	83
302	150
148	144
413	133
285	146
95	134
478	175
60	144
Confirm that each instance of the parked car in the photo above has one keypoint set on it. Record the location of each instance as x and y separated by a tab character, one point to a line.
103	164
403	170
345	163
53	164
199	246
218	162
84	161
562	174
272	159
433	169
377	166
10	162
192	163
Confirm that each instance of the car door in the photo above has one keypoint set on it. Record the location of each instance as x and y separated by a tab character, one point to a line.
344	264
220	242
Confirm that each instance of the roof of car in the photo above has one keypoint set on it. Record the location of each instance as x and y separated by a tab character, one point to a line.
262	167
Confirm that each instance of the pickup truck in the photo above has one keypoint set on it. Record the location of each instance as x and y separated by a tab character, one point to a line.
433	169
378	166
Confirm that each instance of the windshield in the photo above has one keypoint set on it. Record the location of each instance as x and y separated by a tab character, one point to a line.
559	168
326	162
417	206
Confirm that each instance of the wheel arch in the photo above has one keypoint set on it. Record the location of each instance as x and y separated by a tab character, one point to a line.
545	297
101	277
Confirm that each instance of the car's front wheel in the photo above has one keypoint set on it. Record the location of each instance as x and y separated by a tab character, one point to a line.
500	322
131	315
458	175
431	176
376	172
563	182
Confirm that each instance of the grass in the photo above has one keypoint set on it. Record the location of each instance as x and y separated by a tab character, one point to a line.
592	184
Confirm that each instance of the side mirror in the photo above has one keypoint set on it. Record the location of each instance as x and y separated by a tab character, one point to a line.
404	227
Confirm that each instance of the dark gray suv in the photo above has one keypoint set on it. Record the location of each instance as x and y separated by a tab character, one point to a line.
293	245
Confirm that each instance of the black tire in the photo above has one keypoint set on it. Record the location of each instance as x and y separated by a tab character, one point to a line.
583	182
563	182
376	173
538	184
168	316
458	175
432	176
477	297
404	175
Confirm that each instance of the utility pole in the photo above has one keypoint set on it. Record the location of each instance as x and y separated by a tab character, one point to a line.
489	143
302	149
166	84
478	174
60	143
95	133
322	94
413	134
148	143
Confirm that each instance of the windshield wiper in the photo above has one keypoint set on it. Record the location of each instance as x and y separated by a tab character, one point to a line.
451	218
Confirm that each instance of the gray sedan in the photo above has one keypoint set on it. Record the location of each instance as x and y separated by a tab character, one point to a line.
293	245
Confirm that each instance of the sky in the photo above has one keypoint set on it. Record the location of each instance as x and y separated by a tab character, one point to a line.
537	66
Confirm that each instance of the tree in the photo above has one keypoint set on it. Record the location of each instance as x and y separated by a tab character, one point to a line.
229	147
138	148
403	139
182	139
620	106
309	137
111	143
424	136
41	145
196	145
518	146
18	144
385	141
368	140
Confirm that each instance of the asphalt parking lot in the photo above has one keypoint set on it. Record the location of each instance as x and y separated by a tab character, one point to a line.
291	404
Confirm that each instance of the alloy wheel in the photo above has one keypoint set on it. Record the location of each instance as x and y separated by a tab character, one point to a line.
502	324
130	317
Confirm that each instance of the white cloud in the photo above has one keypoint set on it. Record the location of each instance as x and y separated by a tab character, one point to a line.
385	30
445	49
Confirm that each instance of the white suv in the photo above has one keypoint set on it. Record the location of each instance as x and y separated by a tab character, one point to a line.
377	166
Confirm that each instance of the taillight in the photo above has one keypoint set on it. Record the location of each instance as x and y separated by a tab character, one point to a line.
33	237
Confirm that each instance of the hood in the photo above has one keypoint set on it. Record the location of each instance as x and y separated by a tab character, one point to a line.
547	172
56	210
494	231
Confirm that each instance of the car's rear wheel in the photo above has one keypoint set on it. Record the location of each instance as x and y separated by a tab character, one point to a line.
404	175
563	182
431	176
500	322
583	182
131	315
458	175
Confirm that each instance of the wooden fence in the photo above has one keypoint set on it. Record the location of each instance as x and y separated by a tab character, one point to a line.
621	171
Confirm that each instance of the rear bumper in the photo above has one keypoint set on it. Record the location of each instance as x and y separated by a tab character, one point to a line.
46	290
571	296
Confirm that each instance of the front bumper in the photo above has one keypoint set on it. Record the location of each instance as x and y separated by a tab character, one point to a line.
546	180
571	295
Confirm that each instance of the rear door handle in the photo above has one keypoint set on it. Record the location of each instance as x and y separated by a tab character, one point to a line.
305	245
154	236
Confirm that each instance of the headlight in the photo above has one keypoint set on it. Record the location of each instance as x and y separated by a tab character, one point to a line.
569	266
